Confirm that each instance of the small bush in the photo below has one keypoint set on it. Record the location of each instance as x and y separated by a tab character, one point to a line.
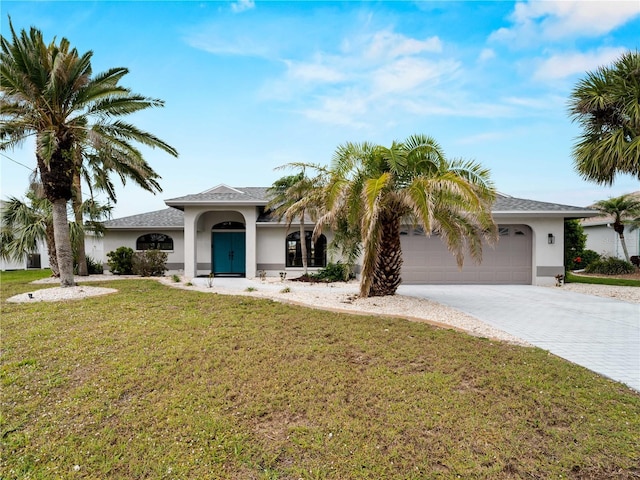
334	272
610	266
94	267
120	261
150	263
583	259
175	278
589	256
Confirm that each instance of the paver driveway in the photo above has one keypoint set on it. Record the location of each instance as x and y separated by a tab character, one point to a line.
601	334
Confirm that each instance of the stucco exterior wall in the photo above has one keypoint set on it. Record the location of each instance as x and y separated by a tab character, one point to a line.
127	238
548	259
603	240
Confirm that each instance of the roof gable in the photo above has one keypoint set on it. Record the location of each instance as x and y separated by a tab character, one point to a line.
222	189
223	195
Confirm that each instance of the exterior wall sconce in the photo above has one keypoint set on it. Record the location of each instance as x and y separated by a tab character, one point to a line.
551	239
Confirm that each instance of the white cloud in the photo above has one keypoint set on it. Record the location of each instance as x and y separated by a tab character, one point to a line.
314	72
486	54
368	73
242	5
562	66
343	110
408	74
555	20
389	45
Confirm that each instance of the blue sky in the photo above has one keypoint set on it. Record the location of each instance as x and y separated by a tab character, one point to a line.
250	86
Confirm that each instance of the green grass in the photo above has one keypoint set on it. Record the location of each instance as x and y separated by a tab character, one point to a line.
623	282
156	382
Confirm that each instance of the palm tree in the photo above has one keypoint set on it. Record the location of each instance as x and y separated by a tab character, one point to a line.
26	223
373	189
293	197
623	209
606	106
48	91
94	168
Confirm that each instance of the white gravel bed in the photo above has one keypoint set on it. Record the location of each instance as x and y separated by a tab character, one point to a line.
626	294
56	294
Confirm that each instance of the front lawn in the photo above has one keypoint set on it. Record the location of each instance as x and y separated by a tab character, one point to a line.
162	383
629	280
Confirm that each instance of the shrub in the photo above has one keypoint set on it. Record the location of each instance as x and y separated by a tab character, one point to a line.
150	263
94	267
610	266
582	259
588	257
120	261
334	272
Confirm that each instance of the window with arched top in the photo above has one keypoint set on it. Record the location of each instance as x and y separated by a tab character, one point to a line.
316	251
154	241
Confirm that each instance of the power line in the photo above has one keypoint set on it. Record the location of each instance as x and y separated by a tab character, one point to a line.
16	162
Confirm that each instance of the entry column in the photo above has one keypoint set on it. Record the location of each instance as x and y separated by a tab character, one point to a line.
250	215
190	244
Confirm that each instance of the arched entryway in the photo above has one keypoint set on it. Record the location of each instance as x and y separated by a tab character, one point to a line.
228	249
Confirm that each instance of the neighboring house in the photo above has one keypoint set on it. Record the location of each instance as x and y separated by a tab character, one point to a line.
225	231
40	258
37	259
602	239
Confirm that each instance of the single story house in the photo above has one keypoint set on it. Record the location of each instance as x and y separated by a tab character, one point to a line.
36	259
603	239
226	231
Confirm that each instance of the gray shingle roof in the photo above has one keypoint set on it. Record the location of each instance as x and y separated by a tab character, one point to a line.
174	218
167	218
505	203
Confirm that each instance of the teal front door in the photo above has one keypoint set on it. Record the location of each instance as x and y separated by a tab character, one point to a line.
228	253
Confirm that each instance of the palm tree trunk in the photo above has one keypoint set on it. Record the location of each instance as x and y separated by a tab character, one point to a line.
81	255
303	245
62	238
386	277
624	246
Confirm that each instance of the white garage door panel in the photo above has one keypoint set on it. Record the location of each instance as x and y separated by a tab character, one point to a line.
427	260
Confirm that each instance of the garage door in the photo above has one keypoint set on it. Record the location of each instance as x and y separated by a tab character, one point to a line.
427	260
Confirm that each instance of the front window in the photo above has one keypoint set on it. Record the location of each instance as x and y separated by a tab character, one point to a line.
154	241
316	251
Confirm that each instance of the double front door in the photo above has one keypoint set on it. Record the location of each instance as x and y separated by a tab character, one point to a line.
228	253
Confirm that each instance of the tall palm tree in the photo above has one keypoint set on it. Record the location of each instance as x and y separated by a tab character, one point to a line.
48	91
373	189
623	209
293	197
606	106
